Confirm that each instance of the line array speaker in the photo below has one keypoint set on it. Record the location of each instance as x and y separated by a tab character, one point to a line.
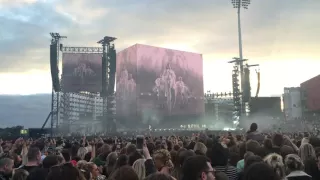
54	67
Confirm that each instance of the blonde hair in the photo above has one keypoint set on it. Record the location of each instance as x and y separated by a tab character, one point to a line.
304	141
165	156
82	151
199	146
140	168
81	164
293	163
20	174
275	161
306	151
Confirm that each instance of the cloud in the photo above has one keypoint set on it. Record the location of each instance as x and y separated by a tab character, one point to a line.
15	3
272	30
24	40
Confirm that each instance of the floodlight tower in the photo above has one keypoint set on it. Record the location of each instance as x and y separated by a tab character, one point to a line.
238	4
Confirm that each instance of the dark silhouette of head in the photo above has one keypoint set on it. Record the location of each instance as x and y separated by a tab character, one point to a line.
65	172
159	176
195	167
261	171
124	173
253	127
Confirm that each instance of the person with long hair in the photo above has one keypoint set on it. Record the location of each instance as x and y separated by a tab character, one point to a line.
162	159
275	161
94	171
140	168
20	174
306	151
65	172
253	134
110	163
122	160
295	168
82	151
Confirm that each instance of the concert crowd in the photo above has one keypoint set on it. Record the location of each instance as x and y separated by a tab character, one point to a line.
205	155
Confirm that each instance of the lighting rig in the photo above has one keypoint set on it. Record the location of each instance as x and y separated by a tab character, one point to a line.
108	82
215	100
236	89
208	95
241	97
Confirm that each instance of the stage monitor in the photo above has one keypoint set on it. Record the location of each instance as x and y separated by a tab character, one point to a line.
82	72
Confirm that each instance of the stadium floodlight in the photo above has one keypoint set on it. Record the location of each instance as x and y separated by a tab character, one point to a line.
240	3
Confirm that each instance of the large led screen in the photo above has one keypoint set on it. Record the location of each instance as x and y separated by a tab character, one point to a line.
81	72
310	91
170	82
126	86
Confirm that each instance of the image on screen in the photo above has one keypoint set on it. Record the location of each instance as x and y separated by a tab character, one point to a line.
81	72
170	82
126	78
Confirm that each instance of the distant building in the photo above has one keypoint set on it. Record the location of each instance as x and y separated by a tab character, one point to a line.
292	103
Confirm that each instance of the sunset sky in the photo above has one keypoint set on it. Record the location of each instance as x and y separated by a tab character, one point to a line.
281	35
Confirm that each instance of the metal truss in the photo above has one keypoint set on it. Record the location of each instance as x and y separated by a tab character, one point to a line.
55	112
111	112
75	106
81	49
65	110
217	97
219	105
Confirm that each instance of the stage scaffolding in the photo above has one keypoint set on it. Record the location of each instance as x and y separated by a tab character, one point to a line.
220	107
82	111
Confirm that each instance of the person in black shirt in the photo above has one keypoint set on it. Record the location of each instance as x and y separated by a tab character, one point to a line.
34	159
197	167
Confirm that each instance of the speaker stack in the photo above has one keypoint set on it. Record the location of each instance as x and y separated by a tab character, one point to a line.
54	67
